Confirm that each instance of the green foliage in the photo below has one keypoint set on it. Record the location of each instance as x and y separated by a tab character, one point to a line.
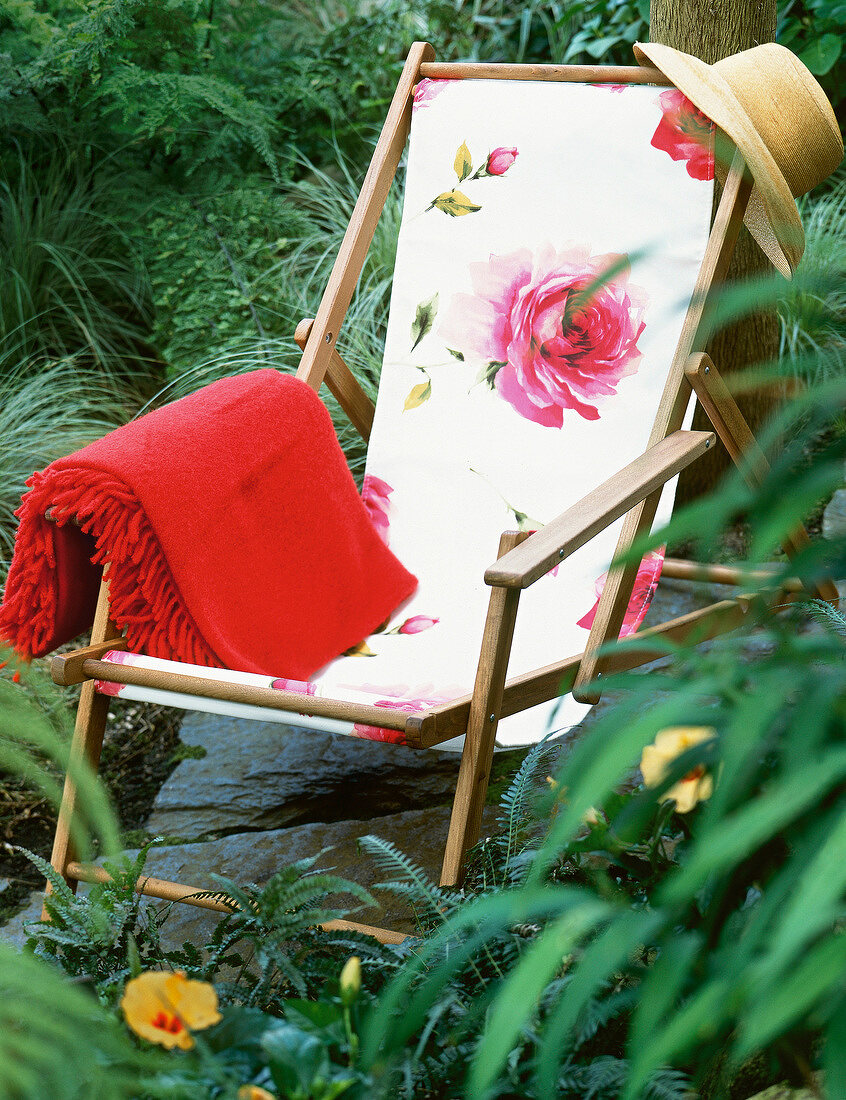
94	936
55	1040
812	306
43	416
722	927
70	284
816	31
34	745
212	255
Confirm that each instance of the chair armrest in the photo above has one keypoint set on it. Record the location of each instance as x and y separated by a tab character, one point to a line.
546	548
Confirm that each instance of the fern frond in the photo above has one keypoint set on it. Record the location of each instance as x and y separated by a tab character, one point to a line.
413	882
827	616
513	809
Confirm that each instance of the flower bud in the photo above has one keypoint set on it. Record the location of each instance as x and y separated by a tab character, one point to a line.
500	160
350	980
417	623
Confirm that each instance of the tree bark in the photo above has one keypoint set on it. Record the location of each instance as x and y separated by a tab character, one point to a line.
711	30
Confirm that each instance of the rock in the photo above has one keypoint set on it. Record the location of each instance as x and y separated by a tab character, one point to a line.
260	775
834	516
785	1092
253	857
12	933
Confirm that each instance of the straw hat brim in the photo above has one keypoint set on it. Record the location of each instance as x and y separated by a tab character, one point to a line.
772	216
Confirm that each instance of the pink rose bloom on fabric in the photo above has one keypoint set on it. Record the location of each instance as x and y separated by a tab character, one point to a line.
648	574
118	657
554	334
685	133
500	160
375	494
396	737
417	623
426	91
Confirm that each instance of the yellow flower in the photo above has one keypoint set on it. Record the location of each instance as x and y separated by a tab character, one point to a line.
351	979
165	1007
254	1092
658	757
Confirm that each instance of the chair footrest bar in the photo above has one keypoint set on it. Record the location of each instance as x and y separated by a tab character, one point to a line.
176	891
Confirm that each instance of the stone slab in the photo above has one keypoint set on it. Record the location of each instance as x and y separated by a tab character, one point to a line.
253	857
834	516
260	775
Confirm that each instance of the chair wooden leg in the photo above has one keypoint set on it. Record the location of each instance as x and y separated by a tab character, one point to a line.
86	745
466	820
729	424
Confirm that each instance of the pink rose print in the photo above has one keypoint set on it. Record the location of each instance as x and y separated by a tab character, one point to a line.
685	133
644	589
396	737
555	336
117	657
301	687
426	91
610	87
375	495
410	706
500	160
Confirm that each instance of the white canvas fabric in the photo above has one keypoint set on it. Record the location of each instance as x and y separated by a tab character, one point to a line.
550	242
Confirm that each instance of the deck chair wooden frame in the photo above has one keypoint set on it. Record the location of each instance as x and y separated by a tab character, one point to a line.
523	558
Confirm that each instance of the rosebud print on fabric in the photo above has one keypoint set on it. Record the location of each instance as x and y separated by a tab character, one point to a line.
686	134
455	203
553	331
645	584
301	687
415	625
499	161
375	495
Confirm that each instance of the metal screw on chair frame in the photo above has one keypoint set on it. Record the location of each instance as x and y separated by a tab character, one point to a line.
328	337
491	717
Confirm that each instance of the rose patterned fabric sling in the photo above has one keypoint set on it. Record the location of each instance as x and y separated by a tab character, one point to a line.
550	241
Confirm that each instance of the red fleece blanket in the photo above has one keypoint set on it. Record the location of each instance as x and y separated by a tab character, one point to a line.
230	529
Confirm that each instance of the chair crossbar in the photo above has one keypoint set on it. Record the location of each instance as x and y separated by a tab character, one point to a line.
576	74
311	705
541	685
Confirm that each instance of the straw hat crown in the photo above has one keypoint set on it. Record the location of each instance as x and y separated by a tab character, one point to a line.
779	118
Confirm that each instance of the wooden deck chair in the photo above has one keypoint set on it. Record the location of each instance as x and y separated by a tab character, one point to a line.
554	267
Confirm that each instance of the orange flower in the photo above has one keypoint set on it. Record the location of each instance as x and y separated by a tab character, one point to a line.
165	1007
658	757
254	1092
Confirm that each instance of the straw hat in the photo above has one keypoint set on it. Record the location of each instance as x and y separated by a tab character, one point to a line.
778	116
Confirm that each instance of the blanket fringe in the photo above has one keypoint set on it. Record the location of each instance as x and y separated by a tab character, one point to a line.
144	599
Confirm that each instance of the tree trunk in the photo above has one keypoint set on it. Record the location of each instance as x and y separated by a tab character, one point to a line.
711	30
